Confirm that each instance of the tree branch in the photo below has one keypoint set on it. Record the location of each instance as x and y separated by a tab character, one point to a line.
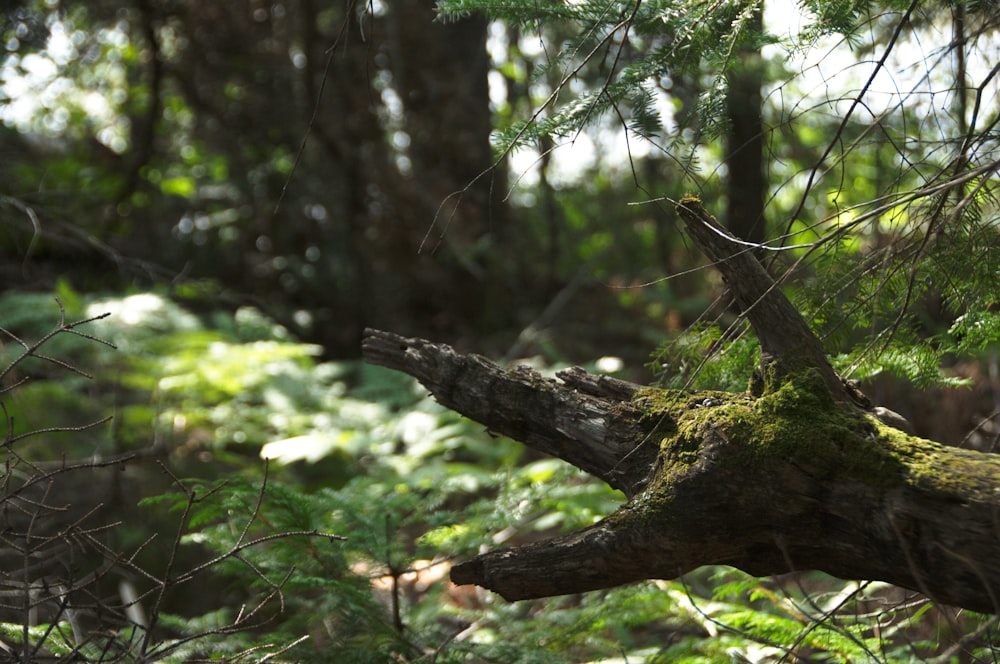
576	426
786	342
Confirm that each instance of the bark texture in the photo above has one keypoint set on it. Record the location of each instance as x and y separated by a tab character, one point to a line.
795	477
571	424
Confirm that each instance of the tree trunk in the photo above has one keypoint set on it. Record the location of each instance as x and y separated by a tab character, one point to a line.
746	184
794	475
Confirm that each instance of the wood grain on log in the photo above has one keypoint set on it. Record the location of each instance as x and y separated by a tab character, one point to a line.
570	424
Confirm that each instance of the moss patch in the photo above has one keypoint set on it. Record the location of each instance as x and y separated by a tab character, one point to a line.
950	472
798	421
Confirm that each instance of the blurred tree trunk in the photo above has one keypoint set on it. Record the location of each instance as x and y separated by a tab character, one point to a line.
746	188
394	110
440	72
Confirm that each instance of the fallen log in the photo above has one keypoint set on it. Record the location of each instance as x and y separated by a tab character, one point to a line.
796	474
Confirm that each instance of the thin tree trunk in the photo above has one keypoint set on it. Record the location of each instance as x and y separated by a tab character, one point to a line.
746	188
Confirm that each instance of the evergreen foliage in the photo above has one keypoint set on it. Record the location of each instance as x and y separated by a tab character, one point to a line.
906	212
630	47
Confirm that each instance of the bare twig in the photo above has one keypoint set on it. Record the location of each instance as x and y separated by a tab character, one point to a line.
31	349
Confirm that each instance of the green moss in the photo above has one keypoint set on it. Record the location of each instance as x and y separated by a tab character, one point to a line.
798	422
947	471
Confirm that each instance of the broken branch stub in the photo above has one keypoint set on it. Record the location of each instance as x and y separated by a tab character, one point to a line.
787	344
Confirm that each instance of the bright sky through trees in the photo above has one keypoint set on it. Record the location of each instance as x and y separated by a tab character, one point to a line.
40	96
832	70
40	93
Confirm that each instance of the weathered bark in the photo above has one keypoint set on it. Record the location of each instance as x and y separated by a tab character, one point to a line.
795	478
786	342
520	403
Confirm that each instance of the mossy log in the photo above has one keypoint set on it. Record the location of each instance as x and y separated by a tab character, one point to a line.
796	475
